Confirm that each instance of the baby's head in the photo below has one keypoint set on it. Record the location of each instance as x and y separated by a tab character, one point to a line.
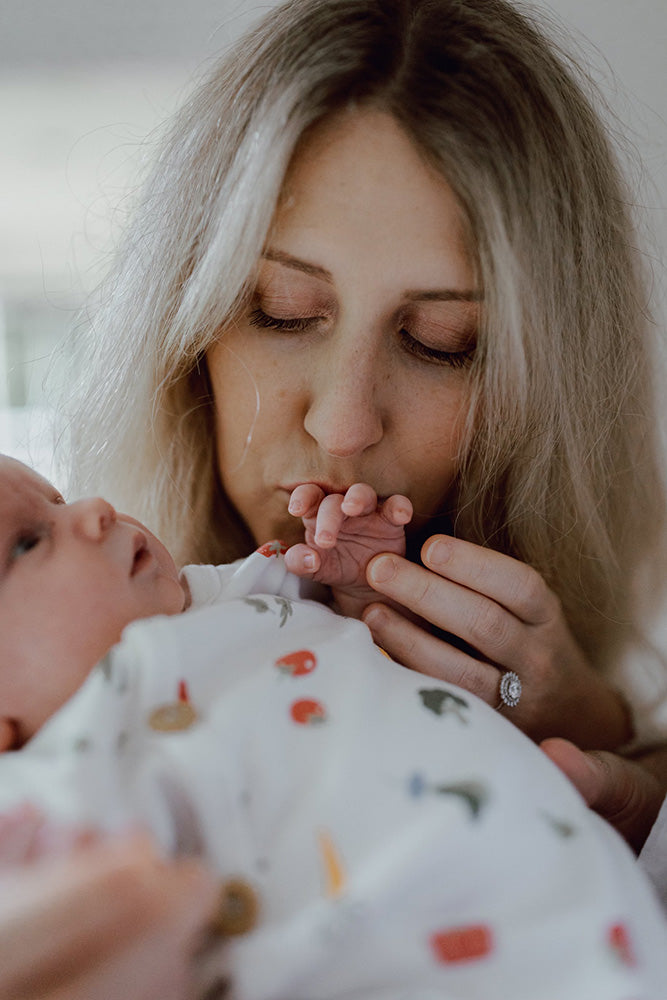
72	576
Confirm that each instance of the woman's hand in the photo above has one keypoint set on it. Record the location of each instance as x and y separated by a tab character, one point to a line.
622	792
104	921
504	610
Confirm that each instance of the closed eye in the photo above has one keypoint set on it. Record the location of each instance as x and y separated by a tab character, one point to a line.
296	324
455	359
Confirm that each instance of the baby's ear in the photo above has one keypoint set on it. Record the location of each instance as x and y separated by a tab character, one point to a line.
9	735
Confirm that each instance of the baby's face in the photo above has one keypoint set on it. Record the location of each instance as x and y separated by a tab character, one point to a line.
72	576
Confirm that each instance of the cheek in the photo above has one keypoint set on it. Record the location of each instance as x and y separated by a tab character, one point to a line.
431	443
237	395
254	399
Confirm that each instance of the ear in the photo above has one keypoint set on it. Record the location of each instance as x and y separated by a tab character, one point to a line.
9	735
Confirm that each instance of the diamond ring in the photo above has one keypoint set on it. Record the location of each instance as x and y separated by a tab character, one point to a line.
510	690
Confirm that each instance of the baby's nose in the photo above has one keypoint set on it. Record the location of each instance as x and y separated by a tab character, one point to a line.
93	517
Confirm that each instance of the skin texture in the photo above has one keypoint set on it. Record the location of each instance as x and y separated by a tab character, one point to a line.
365	272
72	576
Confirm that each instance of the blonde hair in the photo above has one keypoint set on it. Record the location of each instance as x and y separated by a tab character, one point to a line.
560	467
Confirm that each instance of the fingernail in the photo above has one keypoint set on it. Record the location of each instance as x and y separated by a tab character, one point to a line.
309	561
382	570
438	552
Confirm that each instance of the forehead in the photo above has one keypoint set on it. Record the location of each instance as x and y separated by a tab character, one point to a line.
358	187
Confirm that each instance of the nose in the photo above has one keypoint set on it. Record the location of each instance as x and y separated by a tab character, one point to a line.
92	518
344	413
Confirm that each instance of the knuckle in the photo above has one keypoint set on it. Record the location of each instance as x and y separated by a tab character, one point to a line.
422	589
533	597
489	626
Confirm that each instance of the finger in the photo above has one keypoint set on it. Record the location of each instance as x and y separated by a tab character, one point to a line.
408	643
507	581
359	500
623	793
330	518
498	635
302	560
397	510
305	499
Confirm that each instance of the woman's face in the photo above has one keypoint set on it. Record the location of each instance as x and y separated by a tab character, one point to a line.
351	363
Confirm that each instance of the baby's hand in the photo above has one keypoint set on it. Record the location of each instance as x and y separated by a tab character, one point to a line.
342	533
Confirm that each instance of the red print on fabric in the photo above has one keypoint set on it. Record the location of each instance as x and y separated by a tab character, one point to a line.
308	712
619	939
274	548
298	663
462	944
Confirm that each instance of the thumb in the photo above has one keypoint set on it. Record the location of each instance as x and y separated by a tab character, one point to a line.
620	791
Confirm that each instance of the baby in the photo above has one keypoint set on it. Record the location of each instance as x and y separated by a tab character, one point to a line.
377	834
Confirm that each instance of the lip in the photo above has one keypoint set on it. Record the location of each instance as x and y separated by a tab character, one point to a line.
327	488
141	554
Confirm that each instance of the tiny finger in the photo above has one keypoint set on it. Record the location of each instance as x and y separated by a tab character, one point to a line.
302	560
360	499
305	499
330	518
397	509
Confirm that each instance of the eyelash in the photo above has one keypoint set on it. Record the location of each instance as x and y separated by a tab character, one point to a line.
24	544
30	539
455	359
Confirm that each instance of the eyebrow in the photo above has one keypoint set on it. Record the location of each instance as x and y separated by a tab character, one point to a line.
432	295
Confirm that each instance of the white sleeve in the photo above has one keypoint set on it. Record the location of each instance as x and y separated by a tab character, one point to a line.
262	572
653	857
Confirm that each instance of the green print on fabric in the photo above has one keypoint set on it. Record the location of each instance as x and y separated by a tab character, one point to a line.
285	607
562	827
444	703
473	794
106	668
111	674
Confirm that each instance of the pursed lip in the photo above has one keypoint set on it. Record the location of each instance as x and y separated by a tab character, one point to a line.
327	488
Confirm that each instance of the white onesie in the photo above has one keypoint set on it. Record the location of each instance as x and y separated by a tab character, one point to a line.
378	834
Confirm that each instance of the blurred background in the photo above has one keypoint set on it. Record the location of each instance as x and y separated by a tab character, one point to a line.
85	83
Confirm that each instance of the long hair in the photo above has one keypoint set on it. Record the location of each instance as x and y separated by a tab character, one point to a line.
559	466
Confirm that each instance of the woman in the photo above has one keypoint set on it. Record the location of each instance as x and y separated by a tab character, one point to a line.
387	241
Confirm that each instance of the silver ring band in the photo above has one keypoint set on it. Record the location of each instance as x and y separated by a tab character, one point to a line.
510	690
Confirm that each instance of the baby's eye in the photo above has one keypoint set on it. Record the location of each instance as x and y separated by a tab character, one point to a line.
24	544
